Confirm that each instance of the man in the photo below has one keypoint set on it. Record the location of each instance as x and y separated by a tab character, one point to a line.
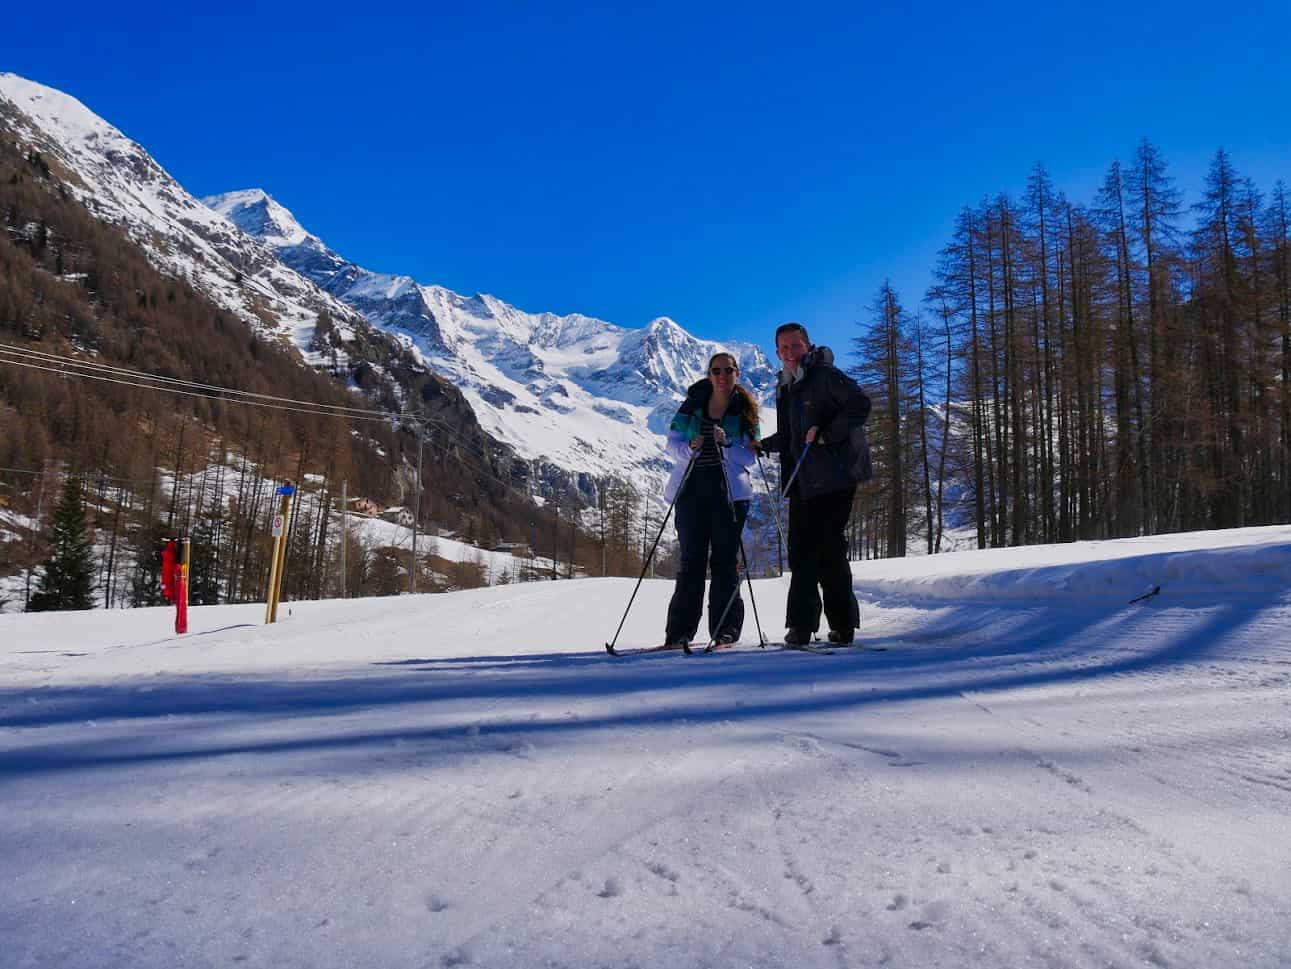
822	412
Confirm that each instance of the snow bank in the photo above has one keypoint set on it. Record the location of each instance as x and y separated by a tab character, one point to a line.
1232	562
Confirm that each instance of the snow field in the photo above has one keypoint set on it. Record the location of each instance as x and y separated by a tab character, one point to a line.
1028	776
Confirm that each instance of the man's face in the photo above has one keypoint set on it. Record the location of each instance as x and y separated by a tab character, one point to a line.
790	347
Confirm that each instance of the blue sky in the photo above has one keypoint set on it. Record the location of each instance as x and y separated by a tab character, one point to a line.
730	166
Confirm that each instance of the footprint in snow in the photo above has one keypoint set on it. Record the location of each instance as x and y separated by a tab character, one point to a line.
460	956
802	881
932	913
612	889
663	871
807	745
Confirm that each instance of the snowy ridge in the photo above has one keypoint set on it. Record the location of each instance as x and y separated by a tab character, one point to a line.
121	183
587	394
582	393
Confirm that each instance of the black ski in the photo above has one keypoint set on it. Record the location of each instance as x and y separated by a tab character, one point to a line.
808	648
820	649
858	647
615	651
710	648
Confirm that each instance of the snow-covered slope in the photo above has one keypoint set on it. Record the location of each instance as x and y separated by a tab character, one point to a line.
585	394
588	394
1035	773
122	184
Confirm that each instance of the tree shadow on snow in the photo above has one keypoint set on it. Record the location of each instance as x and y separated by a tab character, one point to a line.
960	648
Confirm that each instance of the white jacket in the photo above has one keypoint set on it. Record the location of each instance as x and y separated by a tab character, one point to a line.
738	457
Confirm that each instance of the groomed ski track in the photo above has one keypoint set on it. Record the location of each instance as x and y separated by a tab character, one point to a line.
1035	773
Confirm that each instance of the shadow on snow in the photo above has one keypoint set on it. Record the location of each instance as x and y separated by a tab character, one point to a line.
947	656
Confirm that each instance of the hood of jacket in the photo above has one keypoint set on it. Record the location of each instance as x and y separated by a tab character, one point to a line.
813	357
817	355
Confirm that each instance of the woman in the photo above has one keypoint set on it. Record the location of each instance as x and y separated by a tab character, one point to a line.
712	438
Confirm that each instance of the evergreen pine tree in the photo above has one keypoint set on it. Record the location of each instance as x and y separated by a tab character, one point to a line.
67	580
145	579
204	556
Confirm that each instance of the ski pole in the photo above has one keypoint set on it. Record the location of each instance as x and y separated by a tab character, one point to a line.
735	519
609	647
780	495
767	481
762	640
757	622
730	503
796	468
726	486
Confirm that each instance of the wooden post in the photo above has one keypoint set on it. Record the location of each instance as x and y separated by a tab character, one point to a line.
279	553
276	530
345	521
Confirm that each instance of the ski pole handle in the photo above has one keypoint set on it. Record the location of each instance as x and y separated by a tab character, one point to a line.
796	468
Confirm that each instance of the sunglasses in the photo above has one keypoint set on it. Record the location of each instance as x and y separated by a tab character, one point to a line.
721	370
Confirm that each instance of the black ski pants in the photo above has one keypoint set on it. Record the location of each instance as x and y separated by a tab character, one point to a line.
818	557
710	541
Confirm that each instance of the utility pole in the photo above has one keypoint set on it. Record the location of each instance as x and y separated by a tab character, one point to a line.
555	535
345	528
40	500
416	508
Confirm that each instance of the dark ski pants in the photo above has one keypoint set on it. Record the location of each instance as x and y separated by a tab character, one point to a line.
818	557
710	540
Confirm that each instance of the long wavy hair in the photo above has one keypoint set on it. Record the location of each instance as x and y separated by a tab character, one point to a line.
749	411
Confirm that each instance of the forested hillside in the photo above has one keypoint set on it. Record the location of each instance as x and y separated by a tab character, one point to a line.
74	288
1085	370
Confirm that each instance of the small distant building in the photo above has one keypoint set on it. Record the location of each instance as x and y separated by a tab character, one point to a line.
365	506
398	515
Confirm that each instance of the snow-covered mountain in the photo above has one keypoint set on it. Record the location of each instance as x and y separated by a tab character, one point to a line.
583	394
587	394
117	180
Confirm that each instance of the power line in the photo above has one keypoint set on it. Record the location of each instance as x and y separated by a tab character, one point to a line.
35	358
188	393
27	359
39	360
93	474
144	375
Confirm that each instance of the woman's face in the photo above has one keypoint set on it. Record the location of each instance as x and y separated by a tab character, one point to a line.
723	371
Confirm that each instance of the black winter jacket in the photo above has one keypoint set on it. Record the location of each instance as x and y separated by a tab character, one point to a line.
826	398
